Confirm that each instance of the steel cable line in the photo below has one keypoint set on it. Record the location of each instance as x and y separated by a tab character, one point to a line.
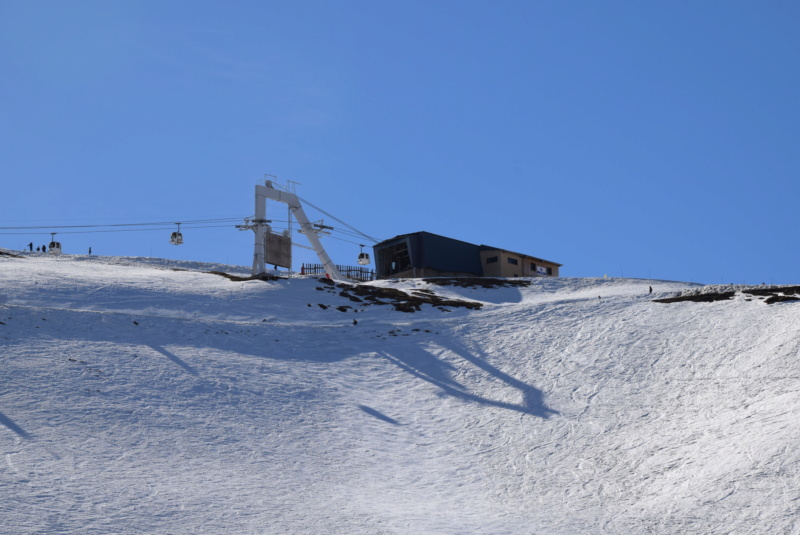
350	234
160	229
186	222
342	239
339	220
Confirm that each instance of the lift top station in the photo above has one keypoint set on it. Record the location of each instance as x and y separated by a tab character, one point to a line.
276	249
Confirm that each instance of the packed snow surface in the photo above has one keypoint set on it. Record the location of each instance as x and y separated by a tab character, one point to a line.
142	396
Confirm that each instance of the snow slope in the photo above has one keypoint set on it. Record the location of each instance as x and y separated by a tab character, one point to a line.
140	399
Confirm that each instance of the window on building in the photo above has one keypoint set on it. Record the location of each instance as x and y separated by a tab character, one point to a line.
513	261
533	267
491	260
549	271
395	259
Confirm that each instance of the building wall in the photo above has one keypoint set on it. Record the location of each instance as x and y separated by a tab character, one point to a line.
421	273
447	255
505	264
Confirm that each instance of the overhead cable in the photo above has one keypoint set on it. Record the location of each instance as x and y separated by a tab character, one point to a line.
182	222
339	220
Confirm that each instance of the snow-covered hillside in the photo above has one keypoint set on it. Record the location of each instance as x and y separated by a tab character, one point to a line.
150	397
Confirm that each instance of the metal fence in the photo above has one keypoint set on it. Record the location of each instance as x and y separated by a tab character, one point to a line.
357	273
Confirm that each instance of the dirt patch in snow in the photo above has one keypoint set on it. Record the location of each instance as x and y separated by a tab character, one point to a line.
237	278
698	298
775	294
478	282
402	301
768	294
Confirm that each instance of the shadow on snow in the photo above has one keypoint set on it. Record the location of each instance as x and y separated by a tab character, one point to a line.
309	343
426	366
11	425
379	415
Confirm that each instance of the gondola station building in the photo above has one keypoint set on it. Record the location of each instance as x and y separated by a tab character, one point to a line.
423	254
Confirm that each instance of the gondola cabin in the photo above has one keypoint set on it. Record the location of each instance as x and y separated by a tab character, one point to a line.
363	258
176	238
54	247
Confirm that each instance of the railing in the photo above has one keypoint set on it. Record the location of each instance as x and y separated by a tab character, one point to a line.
357	273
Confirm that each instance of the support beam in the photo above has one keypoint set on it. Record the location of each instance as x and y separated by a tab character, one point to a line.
268	191
260	228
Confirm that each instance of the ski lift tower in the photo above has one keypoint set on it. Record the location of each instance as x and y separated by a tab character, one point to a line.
259	225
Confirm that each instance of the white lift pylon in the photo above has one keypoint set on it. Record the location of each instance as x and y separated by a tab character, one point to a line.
259	226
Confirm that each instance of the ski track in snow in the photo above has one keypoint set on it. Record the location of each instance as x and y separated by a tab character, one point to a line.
140	399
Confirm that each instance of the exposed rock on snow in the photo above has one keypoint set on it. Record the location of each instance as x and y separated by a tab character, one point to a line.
9	254
400	300
708	294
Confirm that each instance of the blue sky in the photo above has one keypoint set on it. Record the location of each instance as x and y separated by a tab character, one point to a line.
636	139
